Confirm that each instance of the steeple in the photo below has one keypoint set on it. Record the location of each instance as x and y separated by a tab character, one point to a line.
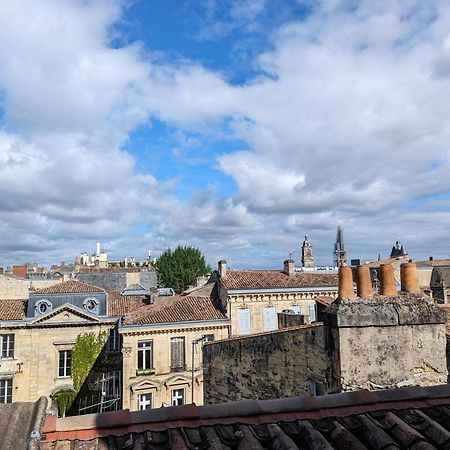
340	254
398	250
307	253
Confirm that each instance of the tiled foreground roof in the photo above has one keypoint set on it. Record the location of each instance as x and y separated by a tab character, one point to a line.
405	418
180	308
260	279
21	424
118	305
12	309
69	287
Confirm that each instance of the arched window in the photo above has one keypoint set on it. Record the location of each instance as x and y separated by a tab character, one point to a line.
42	307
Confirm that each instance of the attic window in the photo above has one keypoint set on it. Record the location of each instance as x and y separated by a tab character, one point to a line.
91	304
42	306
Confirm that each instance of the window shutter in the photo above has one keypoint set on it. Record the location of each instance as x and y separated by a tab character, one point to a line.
243	321
270	318
312	312
177	352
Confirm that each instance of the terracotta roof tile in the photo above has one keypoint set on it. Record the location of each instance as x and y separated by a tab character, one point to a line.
326	301
69	287
119	305
396	418
260	279
12	309
180	308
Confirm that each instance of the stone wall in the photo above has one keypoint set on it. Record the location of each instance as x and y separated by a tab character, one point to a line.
18	288
271	365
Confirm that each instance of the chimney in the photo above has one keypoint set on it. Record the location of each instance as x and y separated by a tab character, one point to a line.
346	282
387	281
222	268
409	279
98	249
430	258
289	267
364	282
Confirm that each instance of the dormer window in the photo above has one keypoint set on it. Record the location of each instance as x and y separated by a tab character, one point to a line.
42	306
91	304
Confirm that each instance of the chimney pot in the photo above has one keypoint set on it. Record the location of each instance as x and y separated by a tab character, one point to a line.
409	279
431	258
289	267
387	281
222	268
346	282
364	282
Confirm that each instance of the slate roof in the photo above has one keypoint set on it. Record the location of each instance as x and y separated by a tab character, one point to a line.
119	305
440	275
269	279
21	424
69	287
179	308
403	418
12	309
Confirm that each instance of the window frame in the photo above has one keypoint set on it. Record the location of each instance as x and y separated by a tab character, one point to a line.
6	390
142	351
9	349
174	401
66	367
114	339
178	363
142	403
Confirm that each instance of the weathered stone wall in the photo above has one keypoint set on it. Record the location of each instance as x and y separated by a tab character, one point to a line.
117	281
18	288
386	342
272	365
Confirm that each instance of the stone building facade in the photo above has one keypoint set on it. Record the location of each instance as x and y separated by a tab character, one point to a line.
13	287
366	342
253	298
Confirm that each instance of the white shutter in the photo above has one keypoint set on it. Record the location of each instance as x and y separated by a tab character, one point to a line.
296	309
270	318
312	312
243	321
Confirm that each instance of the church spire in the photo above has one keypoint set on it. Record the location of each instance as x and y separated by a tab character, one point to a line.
307	253
340	253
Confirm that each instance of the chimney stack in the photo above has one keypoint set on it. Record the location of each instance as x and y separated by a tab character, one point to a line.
364	282
387	281
409	279
222	268
346	282
289	267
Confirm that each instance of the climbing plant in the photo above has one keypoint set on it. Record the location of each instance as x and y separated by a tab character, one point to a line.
84	354
64	400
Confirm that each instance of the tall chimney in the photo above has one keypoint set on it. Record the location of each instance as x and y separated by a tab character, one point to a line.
387	281
364	282
409	279
222	268
98	249
289	267
346	282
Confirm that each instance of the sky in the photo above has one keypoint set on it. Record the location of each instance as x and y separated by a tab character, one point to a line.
233	126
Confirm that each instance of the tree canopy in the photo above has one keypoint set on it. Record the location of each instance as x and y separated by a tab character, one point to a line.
179	268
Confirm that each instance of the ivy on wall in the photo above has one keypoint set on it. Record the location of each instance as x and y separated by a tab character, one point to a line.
84	354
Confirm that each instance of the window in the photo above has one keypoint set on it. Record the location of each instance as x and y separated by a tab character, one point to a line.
208	337
177	353
312	312
177	397
144	402
42	306
145	355
114	340
113	385
91	305
6	346
65	363
243	321
5	391
270	318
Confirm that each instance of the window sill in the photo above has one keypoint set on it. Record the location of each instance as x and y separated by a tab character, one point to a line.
178	369
145	372
7	358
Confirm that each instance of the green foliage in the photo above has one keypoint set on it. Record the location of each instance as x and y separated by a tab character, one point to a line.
178	268
64	400
84	354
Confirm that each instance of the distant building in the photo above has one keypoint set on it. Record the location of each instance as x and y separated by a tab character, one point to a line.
340	252
398	251
307	253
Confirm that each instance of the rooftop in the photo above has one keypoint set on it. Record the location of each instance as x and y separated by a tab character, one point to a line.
179	308
260	279
12	309
119	305
68	287
412	417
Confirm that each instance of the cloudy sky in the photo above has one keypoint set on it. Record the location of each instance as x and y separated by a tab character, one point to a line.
234	126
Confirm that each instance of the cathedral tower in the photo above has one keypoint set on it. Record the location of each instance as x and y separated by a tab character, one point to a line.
307	253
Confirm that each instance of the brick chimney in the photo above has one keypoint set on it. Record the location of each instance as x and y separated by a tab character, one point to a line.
364	283
387	281
222	268
409	279
346	282
289	267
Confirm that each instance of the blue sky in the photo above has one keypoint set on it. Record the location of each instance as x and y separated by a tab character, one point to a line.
233	126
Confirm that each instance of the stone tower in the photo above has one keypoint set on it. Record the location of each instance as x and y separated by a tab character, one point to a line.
307	253
340	254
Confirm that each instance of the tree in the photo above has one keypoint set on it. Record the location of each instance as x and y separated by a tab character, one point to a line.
179	268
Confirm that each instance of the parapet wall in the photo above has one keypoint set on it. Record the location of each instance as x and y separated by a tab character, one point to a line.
283	363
